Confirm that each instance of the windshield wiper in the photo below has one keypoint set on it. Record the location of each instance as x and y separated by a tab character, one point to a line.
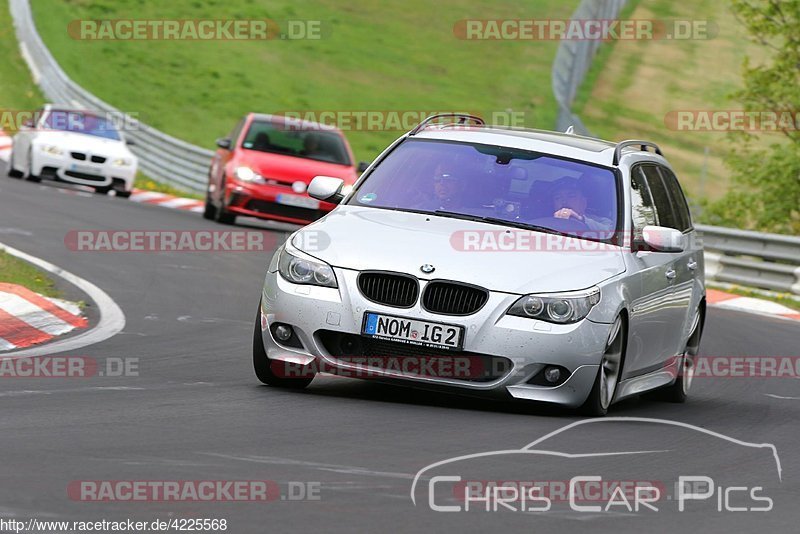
499	221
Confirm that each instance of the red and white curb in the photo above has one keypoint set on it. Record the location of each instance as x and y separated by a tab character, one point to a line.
5	146
721	299
28	318
167	201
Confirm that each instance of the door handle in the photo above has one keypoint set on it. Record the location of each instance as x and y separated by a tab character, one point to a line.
671	274
692	265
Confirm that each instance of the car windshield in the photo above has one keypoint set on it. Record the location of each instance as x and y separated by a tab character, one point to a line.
317	144
80	122
496	184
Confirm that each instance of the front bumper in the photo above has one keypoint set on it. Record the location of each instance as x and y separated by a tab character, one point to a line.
80	172
530	345
261	200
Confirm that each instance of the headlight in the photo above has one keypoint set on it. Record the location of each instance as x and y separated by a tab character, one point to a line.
52	149
302	271
121	162
561	308
246	174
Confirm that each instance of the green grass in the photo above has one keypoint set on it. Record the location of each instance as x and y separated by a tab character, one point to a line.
147	184
17	90
15	271
389	55
633	84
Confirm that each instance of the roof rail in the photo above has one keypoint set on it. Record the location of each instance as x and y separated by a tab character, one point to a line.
633	142
462	119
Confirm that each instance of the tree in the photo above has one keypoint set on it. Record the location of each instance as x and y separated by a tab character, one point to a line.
765	193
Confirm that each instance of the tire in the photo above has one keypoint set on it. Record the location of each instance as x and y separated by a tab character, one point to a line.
263	365
124	194
102	190
12	172
222	215
210	212
29	176
609	373
678	392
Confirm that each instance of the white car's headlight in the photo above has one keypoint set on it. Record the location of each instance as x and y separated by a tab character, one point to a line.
303	271
246	174
122	162
52	150
561	308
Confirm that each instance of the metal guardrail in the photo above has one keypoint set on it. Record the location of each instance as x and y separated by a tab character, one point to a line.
573	60
162	157
754	259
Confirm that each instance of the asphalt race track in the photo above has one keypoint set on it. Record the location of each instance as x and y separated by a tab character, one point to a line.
197	412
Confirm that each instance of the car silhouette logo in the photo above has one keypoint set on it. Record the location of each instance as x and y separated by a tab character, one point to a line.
427	268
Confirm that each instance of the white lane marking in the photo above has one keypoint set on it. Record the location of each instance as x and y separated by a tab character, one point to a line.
780	397
757	305
348	469
147	195
66	305
23	392
179	202
112	319
6	345
15	231
32	314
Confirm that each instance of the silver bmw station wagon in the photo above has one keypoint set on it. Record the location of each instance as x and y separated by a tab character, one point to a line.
483	260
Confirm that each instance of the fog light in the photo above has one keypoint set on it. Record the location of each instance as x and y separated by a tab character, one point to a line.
283	332
552	374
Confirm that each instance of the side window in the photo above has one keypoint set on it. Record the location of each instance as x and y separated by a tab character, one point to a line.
663	204
679	204
642	211
234	136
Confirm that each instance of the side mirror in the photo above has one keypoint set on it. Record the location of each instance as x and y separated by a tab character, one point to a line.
663	239
362	166
224	143
326	188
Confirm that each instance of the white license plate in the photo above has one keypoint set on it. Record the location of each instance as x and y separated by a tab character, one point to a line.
413	331
298	201
85	169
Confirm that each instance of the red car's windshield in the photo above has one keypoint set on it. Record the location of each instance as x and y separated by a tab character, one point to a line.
316	144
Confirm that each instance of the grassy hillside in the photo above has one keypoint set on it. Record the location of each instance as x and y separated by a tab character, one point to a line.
17	90
634	84
374	55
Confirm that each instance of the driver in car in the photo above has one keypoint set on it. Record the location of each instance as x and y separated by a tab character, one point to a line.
448	191
569	202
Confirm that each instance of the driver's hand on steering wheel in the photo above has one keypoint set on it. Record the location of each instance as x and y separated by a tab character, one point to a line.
567	213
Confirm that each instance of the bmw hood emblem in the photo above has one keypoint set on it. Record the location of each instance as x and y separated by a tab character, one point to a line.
427	268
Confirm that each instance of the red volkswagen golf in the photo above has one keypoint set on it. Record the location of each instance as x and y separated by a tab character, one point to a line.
262	169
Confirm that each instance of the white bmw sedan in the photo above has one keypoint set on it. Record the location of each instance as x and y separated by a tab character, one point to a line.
517	263
74	146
